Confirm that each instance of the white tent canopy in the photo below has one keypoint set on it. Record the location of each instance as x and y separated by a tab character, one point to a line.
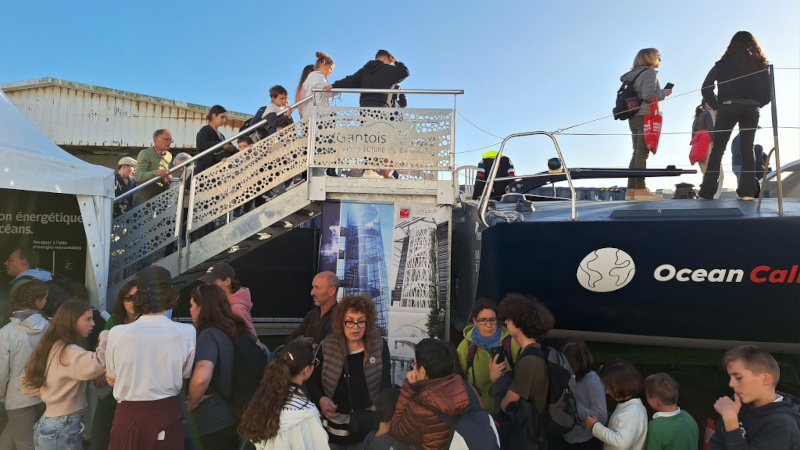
31	162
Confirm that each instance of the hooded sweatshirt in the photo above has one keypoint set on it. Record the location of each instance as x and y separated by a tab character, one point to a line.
18	339
772	426
241	304
646	86
375	75
300	427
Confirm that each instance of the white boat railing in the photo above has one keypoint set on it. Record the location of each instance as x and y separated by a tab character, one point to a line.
483	204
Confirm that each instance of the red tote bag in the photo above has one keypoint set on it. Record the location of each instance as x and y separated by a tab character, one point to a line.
652	126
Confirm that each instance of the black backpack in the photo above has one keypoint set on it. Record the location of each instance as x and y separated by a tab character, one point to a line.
56	294
472	429
249	362
262	131
562	412
628	101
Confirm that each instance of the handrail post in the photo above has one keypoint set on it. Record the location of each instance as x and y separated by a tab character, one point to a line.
179	214
775	137
189	219
484	201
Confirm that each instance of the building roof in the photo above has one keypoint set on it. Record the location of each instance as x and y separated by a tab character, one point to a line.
82	117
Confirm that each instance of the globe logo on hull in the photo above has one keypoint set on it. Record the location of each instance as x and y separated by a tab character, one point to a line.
606	270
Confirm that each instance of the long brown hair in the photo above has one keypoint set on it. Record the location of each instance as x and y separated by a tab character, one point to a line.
261	419
744	47
119	313
215	311
63	330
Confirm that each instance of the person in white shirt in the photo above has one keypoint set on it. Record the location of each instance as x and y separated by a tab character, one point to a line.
147	361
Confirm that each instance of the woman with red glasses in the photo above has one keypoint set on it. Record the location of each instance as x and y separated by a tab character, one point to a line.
354	368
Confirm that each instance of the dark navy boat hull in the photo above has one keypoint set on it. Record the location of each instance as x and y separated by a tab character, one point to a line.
682	271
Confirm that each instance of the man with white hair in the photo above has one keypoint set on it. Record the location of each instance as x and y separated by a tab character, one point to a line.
155	162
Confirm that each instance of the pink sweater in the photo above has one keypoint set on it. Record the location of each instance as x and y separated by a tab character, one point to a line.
241	306
64	388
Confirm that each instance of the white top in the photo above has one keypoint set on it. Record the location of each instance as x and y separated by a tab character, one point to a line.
666	414
150	358
316	79
300	427
626	429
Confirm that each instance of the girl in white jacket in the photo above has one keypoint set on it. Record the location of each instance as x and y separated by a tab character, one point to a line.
18	339
280	415
627	427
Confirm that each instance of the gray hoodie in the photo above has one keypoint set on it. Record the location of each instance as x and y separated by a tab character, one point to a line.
18	339
646	86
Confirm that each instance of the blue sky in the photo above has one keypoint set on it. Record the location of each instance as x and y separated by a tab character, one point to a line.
525	65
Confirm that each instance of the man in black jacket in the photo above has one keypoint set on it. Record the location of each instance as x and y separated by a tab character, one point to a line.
383	72
317	323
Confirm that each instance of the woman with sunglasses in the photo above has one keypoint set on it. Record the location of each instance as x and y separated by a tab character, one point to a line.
482	368
122	313
281	416
353	370
218	332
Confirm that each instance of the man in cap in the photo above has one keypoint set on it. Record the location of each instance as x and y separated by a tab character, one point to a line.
146	362
223	275
155	162
124	182
317	323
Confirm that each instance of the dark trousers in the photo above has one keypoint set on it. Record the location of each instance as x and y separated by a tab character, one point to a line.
224	439
728	116
640	151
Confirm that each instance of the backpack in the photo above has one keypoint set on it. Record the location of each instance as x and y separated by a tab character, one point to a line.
56	294
473	349
262	131
628	101
474	428
561	413
249	363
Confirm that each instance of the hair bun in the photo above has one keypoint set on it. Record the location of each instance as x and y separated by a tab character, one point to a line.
322	55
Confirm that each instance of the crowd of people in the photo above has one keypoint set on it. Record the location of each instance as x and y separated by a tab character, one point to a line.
383	72
742	88
160	384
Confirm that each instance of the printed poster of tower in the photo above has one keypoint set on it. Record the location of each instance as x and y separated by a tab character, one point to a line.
365	246
420	276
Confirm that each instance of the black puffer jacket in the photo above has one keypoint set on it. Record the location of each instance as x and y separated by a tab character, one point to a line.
736	80
375	75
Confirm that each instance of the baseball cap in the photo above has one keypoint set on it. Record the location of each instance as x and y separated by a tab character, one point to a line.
127	160
218	271
152	275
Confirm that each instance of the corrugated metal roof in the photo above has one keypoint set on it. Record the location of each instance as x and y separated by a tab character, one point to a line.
77	114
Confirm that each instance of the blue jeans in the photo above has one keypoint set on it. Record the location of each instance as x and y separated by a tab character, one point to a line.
59	433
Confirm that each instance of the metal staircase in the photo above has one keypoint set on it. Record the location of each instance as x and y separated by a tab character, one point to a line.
256	195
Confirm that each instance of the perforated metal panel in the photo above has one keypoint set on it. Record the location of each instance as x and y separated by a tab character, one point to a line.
383	138
246	175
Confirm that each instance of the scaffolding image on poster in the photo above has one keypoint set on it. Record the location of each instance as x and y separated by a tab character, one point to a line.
419	275
364	248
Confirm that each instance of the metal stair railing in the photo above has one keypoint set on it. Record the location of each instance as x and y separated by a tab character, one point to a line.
149	232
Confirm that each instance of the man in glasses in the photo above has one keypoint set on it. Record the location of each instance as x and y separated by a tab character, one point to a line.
317	323
154	162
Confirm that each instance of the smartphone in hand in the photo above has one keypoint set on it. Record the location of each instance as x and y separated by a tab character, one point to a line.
669	86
